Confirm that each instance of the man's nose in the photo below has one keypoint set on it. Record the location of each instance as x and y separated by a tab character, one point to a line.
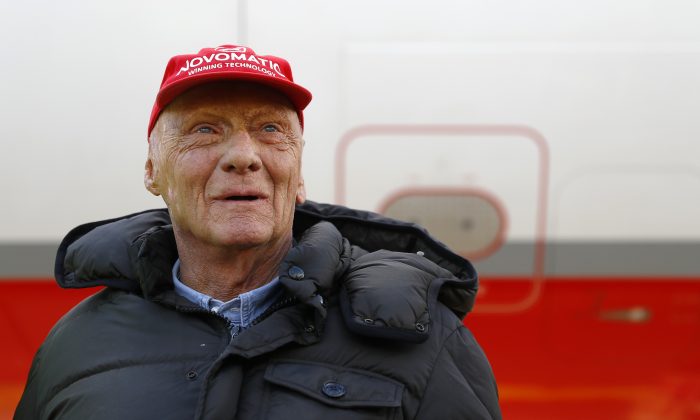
241	154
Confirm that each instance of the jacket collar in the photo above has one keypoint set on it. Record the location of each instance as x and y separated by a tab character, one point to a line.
136	252
372	232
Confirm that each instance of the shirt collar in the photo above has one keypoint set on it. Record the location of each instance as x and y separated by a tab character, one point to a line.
242	309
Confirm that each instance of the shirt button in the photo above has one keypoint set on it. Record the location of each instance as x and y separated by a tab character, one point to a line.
333	389
296	272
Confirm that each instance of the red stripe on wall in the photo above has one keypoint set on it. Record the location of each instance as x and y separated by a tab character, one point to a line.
604	348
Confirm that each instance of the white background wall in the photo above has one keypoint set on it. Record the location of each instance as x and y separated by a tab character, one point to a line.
614	87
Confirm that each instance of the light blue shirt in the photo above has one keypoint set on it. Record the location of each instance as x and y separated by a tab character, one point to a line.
240	311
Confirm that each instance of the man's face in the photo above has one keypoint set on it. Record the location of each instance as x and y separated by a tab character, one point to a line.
226	157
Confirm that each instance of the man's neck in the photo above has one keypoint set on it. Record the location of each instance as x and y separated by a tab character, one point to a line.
226	273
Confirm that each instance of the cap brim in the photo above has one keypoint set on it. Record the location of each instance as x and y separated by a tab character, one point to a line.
299	96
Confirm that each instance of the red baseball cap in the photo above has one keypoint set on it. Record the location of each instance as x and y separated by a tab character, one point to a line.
227	62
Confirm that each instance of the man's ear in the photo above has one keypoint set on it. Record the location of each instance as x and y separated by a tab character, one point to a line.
301	191
149	177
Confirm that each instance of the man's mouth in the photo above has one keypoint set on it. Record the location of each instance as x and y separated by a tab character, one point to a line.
242	198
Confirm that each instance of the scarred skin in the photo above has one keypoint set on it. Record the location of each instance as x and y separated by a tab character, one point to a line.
217	142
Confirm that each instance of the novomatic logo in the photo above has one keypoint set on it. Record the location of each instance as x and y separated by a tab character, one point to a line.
231	59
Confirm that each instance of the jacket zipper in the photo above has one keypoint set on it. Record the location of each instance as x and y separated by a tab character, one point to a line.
230	326
236	329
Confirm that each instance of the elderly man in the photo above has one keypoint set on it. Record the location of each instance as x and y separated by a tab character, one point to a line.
241	300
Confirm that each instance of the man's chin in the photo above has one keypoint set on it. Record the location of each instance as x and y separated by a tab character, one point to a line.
242	237
232	234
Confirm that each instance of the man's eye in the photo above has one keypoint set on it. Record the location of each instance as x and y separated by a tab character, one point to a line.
270	128
204	130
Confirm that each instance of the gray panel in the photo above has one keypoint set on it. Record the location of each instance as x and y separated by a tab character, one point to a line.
645	259
512	259
27	260
624	258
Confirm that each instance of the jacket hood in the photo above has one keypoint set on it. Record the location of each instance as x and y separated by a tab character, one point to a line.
103	253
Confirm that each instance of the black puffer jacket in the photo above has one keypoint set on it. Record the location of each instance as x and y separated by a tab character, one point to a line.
360	334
